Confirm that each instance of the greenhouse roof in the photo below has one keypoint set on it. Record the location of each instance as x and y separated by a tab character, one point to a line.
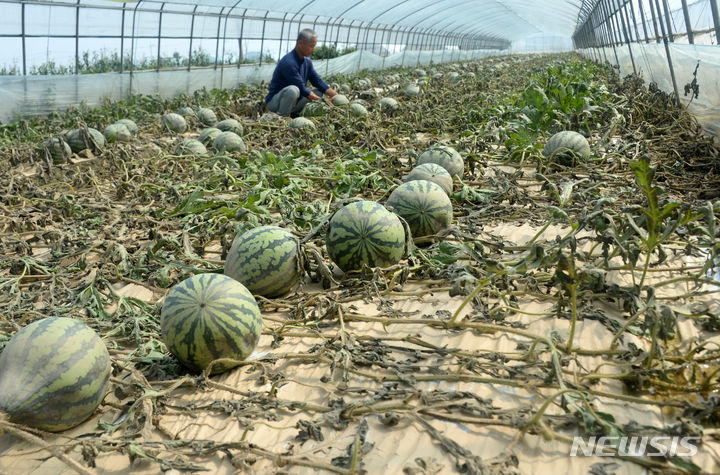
507	19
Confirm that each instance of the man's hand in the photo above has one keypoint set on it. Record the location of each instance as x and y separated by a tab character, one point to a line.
329	101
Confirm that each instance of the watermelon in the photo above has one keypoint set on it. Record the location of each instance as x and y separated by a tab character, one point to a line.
186	111
265	260
54	373
315	109
59	150
454	77
301	123
117	133
130	124
365	233
424	205
388	104
363	83
81	139
345	88
174	123
206	116
207	317
566	144
432	172
340	100
420	73
230	125
228	142
412	90
208	135
446	157
190	147
358	110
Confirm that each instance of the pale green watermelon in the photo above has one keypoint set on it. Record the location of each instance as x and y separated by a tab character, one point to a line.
445	156
174	123
117	133
432	172
301	123
229	142
567	143
230	125
190	147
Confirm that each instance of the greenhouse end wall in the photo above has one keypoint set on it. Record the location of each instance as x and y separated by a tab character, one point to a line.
33	96
651	63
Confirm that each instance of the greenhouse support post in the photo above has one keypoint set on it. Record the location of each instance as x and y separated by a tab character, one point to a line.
608	29
77	37
217	38
22	36
688	24
716	20
668	21
628	40
192	32
654	20
227	15
642	19
159	36
634	19
282	32
262	38
667	54
122	37
241	56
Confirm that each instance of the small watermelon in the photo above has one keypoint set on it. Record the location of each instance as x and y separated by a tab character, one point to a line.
54	373
265	260
424	205
365	233
230	125
190	147
388	104
208	135
315	109
345	88
358	110
174	123
363	83
446	157
59	150
117	133
80	139
567	143
412	90
432	172
130	124
301	123
207	317
420	73
207	116
186	111
340	100
229	142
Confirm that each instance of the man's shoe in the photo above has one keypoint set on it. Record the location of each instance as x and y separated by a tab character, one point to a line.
294	115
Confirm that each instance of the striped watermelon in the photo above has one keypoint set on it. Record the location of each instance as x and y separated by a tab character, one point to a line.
207	317
130	124
424	205
412	90
434	173
207	116
567	143
265	260
117	133
190	147
207	136
230	125
54	373
81	139
59	150
228	142
358	110
174	123
340	100
301	123
365	233
388	104
446	157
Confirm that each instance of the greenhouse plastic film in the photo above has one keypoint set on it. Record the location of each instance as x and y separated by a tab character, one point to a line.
652	64
40	95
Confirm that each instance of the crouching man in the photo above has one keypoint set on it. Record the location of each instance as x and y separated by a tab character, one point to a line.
288	92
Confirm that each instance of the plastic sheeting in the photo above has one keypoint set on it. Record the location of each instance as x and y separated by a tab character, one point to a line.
40	95
652	64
